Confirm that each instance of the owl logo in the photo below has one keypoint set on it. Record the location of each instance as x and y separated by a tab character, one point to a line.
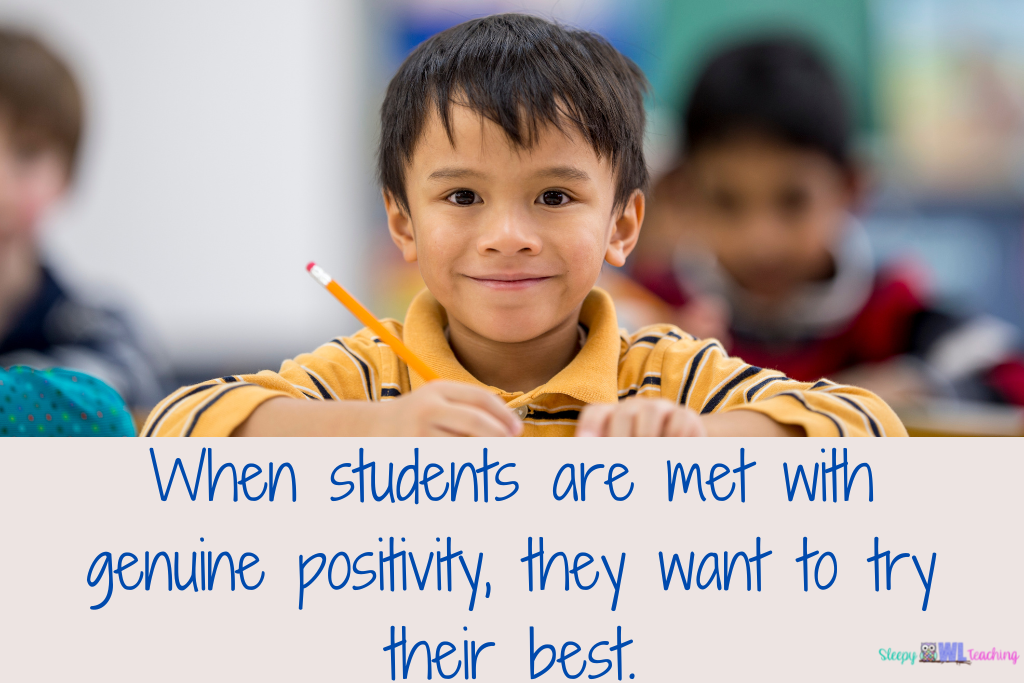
928	652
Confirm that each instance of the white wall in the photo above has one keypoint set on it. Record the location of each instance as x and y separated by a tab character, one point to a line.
226	146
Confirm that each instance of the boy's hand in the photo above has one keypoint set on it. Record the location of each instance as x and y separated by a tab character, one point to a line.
639	417
435	409
446	409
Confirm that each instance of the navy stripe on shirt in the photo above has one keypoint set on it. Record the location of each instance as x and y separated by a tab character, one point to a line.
839	427
763	383
717	398
362	366
560	415
648	339
175	402
199	413
320	388
694	364
856	406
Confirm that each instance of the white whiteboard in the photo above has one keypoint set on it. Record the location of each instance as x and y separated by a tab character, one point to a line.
226	147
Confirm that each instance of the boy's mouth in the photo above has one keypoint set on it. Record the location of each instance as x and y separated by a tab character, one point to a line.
509	281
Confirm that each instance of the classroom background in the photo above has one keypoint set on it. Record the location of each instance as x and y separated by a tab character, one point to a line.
229	142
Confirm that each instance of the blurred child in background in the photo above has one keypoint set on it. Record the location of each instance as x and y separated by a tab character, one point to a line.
751	238
42	325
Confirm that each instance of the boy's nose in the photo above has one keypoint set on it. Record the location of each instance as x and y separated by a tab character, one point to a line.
508	233
765	233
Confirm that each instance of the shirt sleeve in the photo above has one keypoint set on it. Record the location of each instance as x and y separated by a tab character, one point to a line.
346	368
708	380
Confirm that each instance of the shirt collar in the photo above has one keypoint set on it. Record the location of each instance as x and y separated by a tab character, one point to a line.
815	309
591	377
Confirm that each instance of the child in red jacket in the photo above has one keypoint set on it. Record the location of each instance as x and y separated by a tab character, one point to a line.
765	190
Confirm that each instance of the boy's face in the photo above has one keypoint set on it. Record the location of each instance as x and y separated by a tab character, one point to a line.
769	211
510	241
33	176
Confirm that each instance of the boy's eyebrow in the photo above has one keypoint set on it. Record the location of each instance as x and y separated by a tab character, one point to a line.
558	172
454	173
564	173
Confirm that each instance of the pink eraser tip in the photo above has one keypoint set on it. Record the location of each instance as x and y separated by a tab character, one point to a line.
310	266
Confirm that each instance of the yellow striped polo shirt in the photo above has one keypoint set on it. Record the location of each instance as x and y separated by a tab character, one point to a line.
659	361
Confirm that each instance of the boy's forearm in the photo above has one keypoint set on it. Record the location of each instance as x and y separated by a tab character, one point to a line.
747	423
295	417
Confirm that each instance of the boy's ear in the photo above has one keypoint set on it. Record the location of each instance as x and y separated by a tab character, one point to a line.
626	230
400	227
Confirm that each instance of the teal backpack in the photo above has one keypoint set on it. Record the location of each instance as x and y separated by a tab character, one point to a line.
59	402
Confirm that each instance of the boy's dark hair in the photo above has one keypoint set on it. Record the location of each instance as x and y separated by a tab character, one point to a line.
39	93
521	72
775	86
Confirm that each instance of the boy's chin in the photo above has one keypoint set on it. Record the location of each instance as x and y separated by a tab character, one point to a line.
512	329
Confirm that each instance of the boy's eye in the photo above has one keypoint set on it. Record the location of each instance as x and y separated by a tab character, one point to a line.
553	198
464	197
725	202
26	152
794	200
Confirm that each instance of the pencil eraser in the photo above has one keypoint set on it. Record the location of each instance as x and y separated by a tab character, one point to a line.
319	274
310	266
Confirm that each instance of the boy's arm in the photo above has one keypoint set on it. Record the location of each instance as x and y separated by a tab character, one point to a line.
712	383
809	415
334	391
639	416
703	391
821	408
747	423
219	406
339	370
435	409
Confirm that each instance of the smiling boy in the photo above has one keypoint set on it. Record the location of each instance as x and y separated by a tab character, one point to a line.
512	168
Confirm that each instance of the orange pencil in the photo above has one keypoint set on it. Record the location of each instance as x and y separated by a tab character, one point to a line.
367	318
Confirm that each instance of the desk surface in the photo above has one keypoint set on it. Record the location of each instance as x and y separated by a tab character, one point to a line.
955	418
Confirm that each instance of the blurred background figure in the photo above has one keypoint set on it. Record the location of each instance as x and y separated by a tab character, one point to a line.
248	127
231	127
42	325
758	214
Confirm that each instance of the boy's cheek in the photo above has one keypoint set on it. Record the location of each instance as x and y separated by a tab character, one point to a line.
30	212
19	218
583	250
440	266
34	196
588	270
